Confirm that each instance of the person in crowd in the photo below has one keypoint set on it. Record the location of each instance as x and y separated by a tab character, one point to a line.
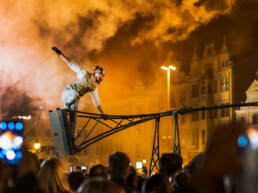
223	157
52	177
98	171
20	178
169	164
182	182
157	183
119	169
75	179
99	185
140	181
132	179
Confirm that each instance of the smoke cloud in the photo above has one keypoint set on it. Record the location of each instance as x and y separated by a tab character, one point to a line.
125	37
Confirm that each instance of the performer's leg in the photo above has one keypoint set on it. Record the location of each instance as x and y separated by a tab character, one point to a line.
73	117
71	99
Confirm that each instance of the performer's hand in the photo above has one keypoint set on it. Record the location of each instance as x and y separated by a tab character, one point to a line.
56	50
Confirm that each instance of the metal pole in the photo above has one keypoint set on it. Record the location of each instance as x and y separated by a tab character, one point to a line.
168	87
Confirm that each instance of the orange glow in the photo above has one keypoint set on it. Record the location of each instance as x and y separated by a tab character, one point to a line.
31	28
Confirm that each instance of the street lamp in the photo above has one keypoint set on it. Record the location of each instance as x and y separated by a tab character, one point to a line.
36	146
168	80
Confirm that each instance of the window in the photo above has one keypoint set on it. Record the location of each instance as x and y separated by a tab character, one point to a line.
215	86
195	90
203	88
255	119
222	113
215	114
195	139
209	87
203	137
195	116
210	114
227	110
225	84
203	115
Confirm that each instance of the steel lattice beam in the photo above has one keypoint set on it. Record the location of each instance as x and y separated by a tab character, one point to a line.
68	142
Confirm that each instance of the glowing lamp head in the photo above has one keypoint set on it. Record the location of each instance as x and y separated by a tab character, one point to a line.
172	67
164	68
36	145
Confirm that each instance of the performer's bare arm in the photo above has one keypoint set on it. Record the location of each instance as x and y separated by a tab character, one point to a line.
73	66
96	101
65	58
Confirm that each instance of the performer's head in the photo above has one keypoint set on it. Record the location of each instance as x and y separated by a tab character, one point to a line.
98	74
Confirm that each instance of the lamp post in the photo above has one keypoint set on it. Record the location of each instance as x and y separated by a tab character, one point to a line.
168	80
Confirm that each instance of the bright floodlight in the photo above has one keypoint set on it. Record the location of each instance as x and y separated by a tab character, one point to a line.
3	125
172	67
164	68
10	155
18	141
5	142
138	165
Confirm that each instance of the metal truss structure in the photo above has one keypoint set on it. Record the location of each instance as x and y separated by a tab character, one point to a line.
70	141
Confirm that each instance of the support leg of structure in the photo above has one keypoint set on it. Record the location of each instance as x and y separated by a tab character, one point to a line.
155	149
176	139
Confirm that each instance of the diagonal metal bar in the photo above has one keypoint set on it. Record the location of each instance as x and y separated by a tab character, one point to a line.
155	148
81	131
90	131
118	123
110	132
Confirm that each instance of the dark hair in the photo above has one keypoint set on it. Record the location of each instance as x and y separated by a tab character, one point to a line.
98	171
157	183
118	165
75	179
169	163
99	185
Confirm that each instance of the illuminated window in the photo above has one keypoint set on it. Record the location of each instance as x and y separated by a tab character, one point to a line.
224	83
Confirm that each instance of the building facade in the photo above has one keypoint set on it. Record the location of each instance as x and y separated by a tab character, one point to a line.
208	83
249	115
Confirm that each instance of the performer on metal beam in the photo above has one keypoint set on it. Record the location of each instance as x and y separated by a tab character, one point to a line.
86	82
